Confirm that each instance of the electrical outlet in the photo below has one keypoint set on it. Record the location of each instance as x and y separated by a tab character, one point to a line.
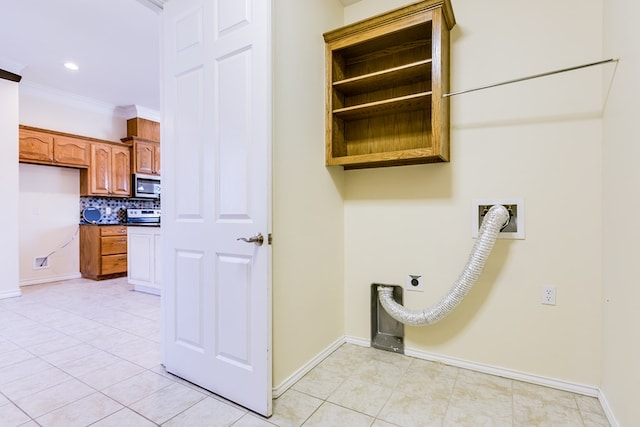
414	283
108	211
548	296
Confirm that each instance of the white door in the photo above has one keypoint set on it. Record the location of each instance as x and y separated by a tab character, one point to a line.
216	154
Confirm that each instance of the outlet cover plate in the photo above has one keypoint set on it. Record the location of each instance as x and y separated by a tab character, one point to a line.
519	226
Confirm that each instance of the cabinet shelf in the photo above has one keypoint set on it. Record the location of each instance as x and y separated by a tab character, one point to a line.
418	101
385	80
397	76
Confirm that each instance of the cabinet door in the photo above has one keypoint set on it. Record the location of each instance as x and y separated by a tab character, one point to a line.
121	171
156	159
71	151
36	146
100	169
144	157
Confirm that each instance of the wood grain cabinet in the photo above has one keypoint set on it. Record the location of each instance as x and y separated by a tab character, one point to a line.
109	172
146	156
103	251
52	148
386	77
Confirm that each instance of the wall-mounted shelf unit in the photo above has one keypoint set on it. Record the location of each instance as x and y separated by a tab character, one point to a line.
385	80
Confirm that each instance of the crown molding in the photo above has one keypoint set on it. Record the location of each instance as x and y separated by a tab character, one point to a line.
66	98
155	5
87	104
133	111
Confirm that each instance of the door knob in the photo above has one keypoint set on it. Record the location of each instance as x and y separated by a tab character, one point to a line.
258	239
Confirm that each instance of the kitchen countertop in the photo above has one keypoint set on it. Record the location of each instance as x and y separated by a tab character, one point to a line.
128	224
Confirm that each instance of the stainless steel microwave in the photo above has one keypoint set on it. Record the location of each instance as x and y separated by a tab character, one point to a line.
146	186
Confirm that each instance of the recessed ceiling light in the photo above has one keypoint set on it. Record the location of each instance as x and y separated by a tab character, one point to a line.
71	66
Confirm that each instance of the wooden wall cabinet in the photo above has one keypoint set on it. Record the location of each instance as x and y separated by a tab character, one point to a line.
52	148
146	156
385	79
109	173
103	251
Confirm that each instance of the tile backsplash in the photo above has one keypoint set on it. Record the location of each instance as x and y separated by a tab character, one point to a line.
118	207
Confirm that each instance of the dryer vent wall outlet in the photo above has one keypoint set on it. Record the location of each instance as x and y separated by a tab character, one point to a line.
514	229
415	283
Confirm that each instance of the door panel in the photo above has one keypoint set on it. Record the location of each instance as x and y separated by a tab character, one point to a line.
216	189
233	85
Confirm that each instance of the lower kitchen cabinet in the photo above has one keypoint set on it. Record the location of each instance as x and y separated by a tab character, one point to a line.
103	251
144	259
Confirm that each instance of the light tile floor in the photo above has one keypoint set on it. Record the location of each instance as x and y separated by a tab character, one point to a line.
79	353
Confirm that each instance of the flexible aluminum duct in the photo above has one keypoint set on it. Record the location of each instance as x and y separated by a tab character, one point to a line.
493	221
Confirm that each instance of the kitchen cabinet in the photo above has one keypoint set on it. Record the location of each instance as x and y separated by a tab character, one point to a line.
144	259
109	172
146	156
103	251
386	77
46	147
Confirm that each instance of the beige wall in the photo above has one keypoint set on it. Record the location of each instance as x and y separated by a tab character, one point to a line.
9	188
621	151
64	113
49	196
540	141
48	210
307	204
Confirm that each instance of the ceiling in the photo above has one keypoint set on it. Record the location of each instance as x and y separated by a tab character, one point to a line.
115	44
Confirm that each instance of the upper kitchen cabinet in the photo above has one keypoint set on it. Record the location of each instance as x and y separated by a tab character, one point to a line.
53	148
386	77
146	156
109	173
144	135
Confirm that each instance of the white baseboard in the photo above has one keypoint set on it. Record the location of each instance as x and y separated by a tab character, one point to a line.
506	373
607	410
11	294
50	279
434	357
297	375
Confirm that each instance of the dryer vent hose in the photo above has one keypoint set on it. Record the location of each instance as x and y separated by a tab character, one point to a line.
493	222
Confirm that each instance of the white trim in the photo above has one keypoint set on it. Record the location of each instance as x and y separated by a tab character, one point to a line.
506	373
11	294
155	5
66	98
357	341
50	279
133	111
304	369
607	410
459	363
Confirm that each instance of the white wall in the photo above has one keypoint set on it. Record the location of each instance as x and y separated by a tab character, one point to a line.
540	141
307	203
9	188
621	151
49	214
